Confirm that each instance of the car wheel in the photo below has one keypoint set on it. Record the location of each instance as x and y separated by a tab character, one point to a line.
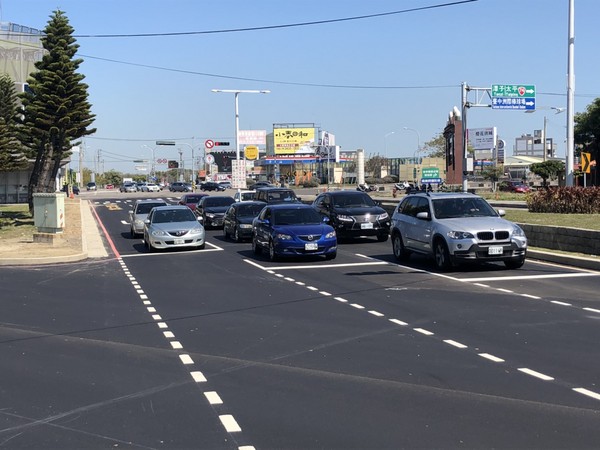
202	247
255	247
272	255
400	252
514	263
330	256
236	235
382	238
441	255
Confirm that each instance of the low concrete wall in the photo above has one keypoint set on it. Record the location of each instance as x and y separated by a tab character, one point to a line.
564	239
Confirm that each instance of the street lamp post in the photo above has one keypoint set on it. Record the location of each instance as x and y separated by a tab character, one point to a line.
237	115
418	147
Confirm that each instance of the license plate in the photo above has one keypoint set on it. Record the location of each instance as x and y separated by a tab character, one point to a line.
311	246
366	226
496	250
178	241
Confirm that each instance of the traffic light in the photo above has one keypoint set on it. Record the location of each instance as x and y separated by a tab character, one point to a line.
172	164
220	143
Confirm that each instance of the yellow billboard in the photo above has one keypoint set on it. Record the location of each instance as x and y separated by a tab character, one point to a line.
289	141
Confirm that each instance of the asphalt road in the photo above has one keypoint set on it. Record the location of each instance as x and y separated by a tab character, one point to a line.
219	348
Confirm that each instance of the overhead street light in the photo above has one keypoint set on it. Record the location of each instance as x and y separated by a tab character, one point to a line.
237	116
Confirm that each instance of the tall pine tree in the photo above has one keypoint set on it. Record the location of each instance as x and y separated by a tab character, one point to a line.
57	112
12	151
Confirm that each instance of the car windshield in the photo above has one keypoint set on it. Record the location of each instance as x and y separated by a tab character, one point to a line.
247	195
218	201
285	196
353	200
174	215
300	216
144	208
450	208
249	210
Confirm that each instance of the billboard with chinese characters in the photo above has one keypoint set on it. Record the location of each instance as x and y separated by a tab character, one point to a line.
482	138
252	137
289	141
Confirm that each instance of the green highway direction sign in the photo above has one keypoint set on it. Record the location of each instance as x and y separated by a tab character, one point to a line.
430	175
513	96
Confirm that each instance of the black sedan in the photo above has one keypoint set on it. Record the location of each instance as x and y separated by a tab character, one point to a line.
354	214
212	186
211	209
237	222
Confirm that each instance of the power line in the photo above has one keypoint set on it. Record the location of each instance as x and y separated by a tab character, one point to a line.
273	27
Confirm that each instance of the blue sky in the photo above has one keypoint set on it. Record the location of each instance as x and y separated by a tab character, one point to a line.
410	66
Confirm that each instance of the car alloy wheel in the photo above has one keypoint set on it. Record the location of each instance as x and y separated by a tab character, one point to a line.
255	247
236	235
441	255
272	254
400	251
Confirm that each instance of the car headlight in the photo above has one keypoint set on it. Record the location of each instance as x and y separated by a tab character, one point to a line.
518	231
158	233
330	235
210	215
245	225
344	218
383	216
196	230
460	235
283	237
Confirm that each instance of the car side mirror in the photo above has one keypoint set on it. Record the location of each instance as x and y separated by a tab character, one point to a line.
501	212
147	221
423	215
131	212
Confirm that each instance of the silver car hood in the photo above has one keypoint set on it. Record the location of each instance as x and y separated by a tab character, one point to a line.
474	224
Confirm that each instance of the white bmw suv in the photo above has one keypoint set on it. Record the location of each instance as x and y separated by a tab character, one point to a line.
455	228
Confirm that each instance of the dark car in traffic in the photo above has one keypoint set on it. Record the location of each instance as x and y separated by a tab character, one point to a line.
211	209
211	186
237	222
276	195
179	186
354	214
293	229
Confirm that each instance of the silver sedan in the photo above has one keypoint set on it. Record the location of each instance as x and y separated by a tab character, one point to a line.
173	227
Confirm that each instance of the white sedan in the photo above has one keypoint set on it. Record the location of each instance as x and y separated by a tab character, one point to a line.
150	187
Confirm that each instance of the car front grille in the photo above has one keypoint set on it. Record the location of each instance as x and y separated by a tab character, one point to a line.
178	233
493	235
310	237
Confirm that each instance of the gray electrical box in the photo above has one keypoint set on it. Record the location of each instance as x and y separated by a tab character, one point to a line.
49	212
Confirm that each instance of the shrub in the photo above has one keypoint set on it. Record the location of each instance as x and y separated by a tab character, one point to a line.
390	179
565	200
313	182
373	180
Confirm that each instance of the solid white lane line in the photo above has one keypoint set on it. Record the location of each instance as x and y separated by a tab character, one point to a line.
380	263
587	392
532	277
376	313
340	299
213	398
229	423
168	334
176	345
592	310
533	373
556	302
162	325
398	322
357	306
198	377
423	331
455	344
186	359
246	447
491	357
482	285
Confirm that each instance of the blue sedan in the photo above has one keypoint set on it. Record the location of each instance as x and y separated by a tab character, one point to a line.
292	230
